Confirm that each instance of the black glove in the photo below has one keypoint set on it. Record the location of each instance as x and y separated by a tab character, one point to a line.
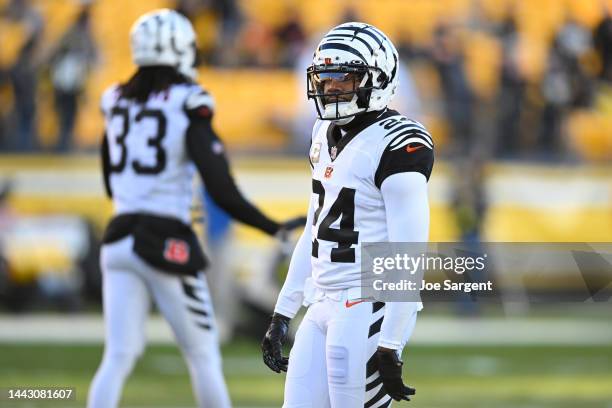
272	344
390	369
284	233
292	224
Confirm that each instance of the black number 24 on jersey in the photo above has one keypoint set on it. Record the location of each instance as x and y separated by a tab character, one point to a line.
345	236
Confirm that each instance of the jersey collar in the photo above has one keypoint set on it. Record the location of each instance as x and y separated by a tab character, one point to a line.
336	142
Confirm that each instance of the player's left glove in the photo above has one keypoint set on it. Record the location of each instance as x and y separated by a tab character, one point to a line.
272	344
390	369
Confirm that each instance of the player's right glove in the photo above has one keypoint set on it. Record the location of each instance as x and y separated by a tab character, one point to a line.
390	369
284	234
272	344
293	223
288	226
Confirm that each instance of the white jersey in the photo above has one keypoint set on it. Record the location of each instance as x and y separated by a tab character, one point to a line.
346	199
150	170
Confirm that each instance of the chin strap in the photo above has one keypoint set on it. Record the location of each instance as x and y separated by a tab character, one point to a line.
359	120
343	122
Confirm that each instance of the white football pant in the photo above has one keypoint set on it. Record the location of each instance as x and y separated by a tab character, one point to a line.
331	362
128	285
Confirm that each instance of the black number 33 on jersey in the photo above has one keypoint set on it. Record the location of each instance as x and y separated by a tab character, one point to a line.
154	141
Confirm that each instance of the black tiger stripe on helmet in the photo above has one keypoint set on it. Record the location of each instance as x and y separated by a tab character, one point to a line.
354	48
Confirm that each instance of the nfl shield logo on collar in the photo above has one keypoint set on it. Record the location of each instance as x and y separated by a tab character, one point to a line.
333	153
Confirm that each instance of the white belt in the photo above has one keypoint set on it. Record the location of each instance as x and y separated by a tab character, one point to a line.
313	294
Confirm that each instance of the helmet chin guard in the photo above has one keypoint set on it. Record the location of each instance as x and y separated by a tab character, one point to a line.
332	110
358	51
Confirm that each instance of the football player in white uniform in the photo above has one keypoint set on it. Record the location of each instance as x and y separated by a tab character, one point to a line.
157	132
370	167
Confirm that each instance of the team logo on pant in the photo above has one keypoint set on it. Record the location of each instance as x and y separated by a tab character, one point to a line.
176	251
328	172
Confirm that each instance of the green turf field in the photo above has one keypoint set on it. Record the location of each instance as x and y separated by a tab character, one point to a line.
572	377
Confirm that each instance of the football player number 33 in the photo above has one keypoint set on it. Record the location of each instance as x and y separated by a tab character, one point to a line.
154	141
345	236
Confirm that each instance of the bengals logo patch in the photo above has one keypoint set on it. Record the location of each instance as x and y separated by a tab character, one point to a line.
176	251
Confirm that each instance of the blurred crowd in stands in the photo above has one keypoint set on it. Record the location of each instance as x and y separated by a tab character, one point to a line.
516	113
64	65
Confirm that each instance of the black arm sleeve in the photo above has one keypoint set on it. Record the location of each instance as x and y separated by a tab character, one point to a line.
105	159
419	160
206	151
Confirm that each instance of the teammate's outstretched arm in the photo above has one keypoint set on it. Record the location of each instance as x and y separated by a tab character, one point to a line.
208	154
407	213
289	301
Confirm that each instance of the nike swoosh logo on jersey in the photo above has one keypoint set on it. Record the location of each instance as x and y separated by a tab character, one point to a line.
351	304
411	149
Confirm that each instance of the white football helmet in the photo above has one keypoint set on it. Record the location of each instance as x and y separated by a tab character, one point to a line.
164	37
359	53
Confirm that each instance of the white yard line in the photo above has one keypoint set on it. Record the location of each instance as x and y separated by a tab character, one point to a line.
429	331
